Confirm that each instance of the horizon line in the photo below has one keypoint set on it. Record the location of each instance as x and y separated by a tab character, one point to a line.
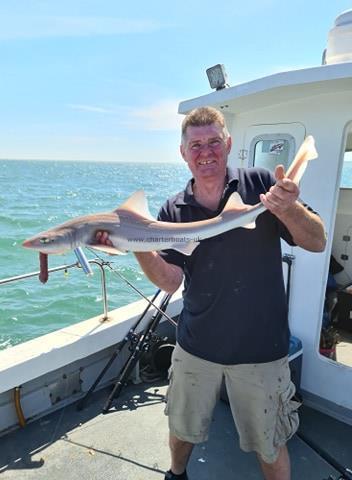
85	160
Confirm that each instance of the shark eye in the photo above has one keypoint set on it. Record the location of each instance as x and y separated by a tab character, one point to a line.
45	240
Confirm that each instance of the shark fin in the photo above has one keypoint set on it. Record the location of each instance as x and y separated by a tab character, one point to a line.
235	202
107	249
137	203
185	248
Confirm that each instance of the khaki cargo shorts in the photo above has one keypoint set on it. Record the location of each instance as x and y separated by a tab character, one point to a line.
260	397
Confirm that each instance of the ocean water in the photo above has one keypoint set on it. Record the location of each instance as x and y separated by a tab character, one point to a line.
36	195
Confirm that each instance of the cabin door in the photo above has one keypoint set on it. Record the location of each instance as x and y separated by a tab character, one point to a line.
336	330
268	145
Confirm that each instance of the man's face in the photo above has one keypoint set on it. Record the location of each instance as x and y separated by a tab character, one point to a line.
205	149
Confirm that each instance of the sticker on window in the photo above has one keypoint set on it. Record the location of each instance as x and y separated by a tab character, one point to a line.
277	147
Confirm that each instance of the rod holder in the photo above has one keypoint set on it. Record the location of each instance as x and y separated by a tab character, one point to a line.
83	261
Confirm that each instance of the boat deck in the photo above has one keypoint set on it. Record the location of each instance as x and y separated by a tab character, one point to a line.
130	443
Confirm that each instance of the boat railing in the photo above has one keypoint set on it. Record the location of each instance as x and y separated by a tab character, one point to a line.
99	263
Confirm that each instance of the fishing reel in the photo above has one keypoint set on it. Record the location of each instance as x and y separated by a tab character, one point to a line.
156	359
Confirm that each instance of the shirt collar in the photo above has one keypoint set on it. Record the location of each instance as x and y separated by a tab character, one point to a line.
186	197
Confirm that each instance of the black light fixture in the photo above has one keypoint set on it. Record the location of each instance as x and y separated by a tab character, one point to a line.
217	76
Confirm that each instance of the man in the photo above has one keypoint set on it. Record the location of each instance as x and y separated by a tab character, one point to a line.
234	320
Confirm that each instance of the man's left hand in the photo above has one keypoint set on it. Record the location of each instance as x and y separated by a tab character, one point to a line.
281	196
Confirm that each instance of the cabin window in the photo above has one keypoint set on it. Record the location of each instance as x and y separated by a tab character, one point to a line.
346	178
270	150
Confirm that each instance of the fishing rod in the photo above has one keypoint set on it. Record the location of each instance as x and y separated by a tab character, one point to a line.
288	258
143	345
139	344
131	336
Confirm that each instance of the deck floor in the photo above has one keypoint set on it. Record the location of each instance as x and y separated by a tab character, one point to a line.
130	443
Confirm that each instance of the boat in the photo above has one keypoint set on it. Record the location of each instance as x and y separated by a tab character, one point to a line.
42	380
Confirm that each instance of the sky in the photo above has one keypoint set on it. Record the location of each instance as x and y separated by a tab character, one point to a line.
101	80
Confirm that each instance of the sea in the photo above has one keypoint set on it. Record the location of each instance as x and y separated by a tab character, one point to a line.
36	195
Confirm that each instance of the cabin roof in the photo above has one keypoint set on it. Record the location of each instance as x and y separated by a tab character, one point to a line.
277	88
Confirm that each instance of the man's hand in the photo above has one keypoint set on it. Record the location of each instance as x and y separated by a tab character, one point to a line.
306	227
281	196
166	276
103	238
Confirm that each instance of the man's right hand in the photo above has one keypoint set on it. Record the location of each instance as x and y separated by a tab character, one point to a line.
166	276
103	238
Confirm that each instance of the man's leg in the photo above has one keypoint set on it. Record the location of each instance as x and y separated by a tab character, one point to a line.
180	453
280	469
191	397
261	399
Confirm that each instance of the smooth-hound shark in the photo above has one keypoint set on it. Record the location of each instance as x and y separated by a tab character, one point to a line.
131	227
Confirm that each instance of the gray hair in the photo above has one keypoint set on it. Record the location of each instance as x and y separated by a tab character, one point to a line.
203	116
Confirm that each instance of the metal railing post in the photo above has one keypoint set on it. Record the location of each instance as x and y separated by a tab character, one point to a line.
103	286
100	264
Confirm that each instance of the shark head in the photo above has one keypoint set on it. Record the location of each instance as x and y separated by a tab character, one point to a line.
54	241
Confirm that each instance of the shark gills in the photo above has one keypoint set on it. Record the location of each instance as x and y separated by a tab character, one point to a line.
131	227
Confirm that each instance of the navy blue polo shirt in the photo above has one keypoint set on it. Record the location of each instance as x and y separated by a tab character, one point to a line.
234	297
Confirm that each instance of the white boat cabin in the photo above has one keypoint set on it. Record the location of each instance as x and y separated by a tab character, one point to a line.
268	119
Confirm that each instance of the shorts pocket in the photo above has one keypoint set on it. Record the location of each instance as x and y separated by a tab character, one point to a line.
288	420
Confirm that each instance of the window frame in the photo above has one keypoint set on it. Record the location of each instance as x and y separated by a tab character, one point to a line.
272	137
